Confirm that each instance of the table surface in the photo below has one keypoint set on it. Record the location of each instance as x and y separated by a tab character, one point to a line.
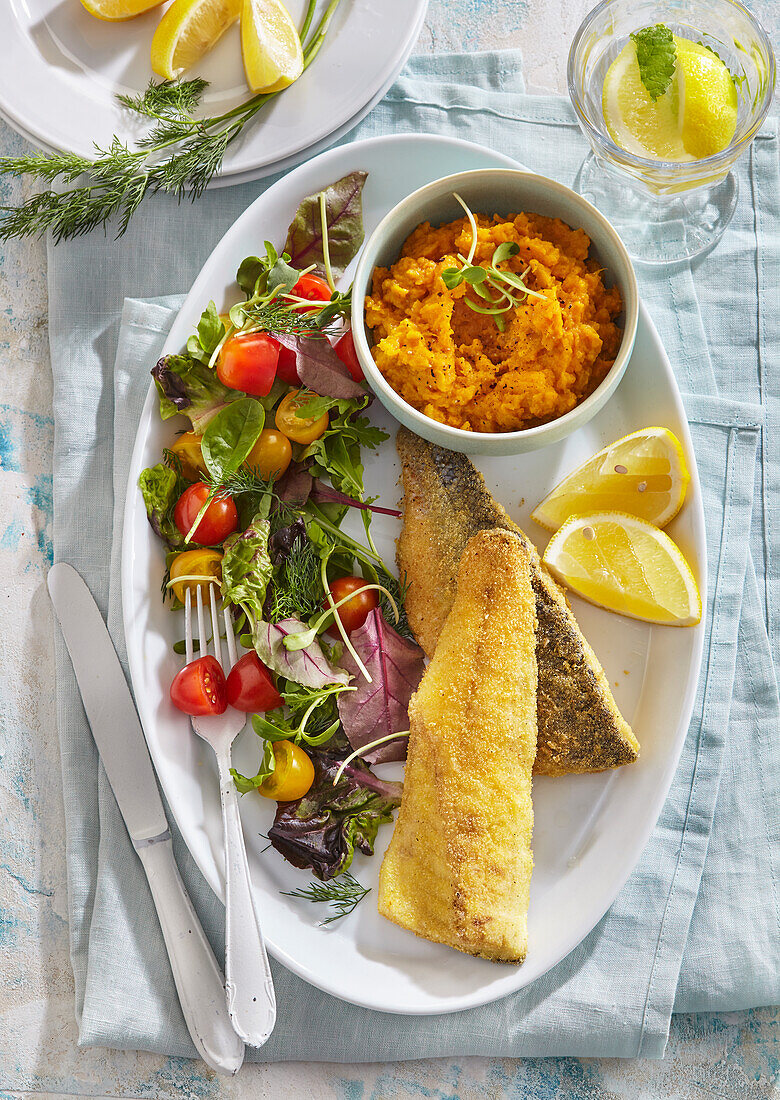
735	1056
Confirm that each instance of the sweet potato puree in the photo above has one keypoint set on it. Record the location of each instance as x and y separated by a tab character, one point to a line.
454	364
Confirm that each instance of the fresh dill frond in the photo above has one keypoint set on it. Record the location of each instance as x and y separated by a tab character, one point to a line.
342	894
296	591
179	155
166	97
280	319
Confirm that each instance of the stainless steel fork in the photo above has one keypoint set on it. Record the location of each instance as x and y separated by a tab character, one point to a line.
251	1000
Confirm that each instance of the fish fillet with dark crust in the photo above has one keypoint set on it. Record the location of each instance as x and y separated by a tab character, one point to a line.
446	502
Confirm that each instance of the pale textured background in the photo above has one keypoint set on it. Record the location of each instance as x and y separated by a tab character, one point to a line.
731	1057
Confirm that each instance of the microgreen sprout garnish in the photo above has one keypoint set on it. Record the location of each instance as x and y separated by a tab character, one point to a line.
305	638
500	290
342	894
367	748
180	154
284	729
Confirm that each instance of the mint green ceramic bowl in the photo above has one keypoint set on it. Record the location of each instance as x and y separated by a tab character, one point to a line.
502	191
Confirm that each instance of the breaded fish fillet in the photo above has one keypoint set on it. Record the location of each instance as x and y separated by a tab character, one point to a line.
459	864
446	502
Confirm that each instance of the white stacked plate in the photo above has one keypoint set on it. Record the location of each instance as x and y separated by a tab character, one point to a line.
62	69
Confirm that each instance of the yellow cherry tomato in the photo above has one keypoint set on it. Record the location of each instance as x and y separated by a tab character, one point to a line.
271	455
300	429
292	776
195	563
187	447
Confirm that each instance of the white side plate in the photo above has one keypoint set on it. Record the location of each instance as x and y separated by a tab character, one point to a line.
62	69
589	830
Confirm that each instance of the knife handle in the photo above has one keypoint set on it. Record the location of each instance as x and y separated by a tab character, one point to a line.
198	979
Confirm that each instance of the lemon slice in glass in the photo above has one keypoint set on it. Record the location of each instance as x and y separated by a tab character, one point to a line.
636	122
695	117
115	11
187	31
709	99
643	474
627	565
273	57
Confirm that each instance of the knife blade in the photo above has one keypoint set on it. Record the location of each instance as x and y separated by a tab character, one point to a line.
120	741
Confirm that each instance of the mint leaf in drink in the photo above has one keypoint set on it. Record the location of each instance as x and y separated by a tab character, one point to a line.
656	56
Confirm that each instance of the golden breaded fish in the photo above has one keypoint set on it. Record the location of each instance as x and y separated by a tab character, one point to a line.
446	502
459	864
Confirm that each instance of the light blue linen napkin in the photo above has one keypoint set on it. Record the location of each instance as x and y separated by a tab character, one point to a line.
709	861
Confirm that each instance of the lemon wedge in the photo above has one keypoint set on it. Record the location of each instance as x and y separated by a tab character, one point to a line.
187	31
273	57
695	117
627	565
115	11
643	474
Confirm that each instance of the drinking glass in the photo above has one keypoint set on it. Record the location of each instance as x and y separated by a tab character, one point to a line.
667	211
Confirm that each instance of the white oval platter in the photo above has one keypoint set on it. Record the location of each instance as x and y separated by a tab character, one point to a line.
62	69
589	830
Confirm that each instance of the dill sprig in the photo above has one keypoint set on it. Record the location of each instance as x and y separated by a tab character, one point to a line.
179	155
342	894
277	318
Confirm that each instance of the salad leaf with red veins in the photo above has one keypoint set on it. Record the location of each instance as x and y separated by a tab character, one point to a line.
382	707
308	666
343	203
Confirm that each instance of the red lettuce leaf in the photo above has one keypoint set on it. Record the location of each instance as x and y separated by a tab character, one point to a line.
382	707
321	493
344	219
319	368
322	830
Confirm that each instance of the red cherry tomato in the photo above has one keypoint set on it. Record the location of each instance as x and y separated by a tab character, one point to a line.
250	686
354	612
287	367
219	520
345	349
248	362
199	687
313	289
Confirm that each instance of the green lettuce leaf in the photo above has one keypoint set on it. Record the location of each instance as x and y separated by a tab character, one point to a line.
336	454
160	488
210	331
185	385
246	567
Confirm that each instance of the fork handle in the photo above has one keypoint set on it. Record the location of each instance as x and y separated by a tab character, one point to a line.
249	985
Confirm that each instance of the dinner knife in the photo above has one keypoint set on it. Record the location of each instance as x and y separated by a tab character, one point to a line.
120	741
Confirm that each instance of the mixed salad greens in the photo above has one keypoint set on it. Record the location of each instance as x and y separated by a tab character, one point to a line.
253	498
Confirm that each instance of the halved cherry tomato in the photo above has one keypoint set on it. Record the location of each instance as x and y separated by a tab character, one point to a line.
300	429
292	776
250	686
199	688
187	447
219	520
354	612
271	454
313	289
195	563
345	349
287	367
247	361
